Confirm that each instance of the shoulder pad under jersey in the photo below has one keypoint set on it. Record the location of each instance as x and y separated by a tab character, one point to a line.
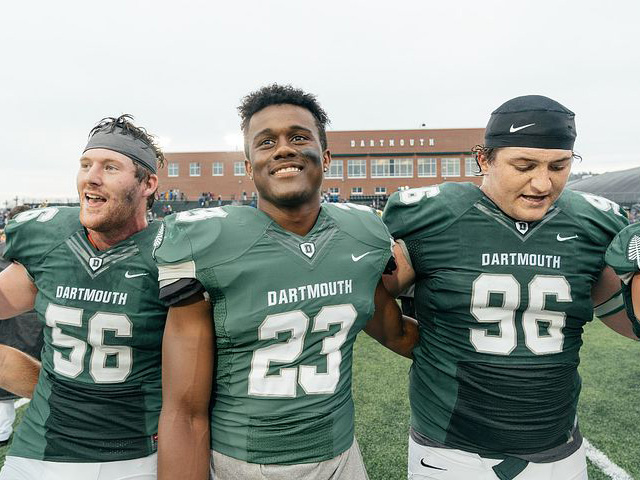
34	233
428	210
359	222
601	218
205	237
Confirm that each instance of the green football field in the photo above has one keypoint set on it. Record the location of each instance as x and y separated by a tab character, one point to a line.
609	407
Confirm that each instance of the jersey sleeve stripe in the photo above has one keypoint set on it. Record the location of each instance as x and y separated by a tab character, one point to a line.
168	274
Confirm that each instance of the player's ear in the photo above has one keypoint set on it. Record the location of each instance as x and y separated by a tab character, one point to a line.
151	184
248	168
483	162
326	160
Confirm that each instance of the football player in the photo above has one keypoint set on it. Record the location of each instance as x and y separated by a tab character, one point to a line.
506	276
89	274
289	285
623	255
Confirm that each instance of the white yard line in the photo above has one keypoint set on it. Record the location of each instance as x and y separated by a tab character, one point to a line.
601	461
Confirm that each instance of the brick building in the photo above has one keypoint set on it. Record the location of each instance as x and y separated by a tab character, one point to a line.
364	164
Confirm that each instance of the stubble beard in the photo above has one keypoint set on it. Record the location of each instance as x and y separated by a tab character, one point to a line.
117	217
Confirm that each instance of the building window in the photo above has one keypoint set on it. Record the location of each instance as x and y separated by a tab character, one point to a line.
174	170
334	190
353	143
335	169
381	190
217	169
402	142
411	141
393	167
194	169
432	142
357	168
362	143
372	143
392	142
427	167
470	167
356	191
450	167
238	169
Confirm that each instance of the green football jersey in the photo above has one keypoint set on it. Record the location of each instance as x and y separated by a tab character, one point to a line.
623	255
286	311
501	306
98	397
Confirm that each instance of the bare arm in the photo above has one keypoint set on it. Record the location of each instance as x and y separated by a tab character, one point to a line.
389	327
606	286
403	276
17	291
187	369
18	371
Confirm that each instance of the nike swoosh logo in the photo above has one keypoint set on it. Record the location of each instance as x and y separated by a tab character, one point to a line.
133	275
513	129
564	239
430	466
355	259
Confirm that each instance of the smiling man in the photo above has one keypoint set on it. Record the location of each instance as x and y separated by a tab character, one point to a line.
506	277
289	285
90	276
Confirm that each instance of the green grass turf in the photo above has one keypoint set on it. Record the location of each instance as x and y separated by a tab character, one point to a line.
609	405
609	408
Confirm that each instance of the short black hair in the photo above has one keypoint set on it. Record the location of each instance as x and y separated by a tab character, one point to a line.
125	122
275	94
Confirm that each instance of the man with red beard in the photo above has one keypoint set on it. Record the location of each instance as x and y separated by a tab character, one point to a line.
89	274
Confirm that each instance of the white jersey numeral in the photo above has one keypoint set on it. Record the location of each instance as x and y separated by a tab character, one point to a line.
73	365
57	315
413	195
508	287
505	315
602	203
200	214
285	383
42	214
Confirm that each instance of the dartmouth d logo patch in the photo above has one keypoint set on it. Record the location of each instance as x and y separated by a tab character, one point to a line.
95	263
523	227
633	250
308	249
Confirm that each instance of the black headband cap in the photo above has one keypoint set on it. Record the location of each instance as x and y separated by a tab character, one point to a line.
531	121
119	140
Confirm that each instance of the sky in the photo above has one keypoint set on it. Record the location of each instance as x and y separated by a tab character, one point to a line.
181	68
